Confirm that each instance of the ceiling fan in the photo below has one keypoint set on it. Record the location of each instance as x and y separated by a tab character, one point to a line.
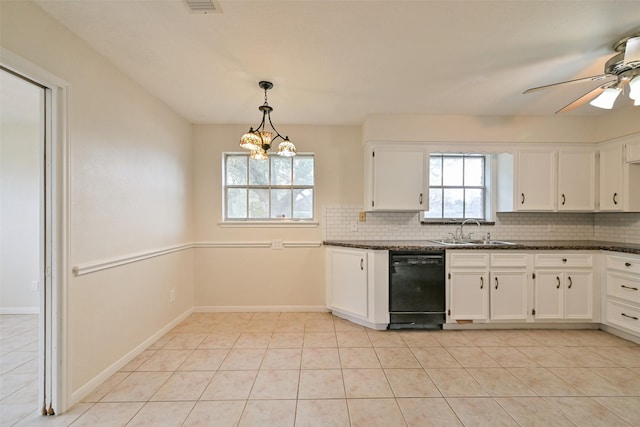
620	70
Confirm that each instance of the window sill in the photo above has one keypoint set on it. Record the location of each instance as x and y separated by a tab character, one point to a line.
268	224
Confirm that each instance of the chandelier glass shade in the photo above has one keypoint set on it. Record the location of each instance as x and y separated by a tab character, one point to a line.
259	141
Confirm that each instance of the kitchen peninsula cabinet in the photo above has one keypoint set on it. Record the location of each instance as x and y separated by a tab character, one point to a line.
396	177
357	285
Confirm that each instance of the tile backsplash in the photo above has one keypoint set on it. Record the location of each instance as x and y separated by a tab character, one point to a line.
341	223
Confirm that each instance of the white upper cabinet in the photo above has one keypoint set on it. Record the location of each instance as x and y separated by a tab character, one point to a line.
576	180
535	180
396	177
619	180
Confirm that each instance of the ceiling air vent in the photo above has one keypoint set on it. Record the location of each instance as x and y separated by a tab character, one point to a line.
203	6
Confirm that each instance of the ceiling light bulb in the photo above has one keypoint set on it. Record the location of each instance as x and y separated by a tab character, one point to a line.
634	88
606	98
259	154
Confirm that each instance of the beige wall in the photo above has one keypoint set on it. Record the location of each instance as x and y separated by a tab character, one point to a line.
288	278
130	191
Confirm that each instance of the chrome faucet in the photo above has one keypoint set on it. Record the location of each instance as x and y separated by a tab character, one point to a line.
462	237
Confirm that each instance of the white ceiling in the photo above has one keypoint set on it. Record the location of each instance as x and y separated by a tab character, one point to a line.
335	62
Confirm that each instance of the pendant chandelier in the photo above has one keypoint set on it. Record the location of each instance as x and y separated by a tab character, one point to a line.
259	141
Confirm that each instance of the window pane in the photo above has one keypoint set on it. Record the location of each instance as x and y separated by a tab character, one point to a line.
474	171
258	202
474	206
303	203
303	170
236	203
435	203
280	203
236	170
453	203
452	171
258	172
280	170
435	171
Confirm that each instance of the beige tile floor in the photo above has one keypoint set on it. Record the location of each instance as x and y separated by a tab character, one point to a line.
314	369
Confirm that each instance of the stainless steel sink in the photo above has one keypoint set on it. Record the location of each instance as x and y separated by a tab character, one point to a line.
472	242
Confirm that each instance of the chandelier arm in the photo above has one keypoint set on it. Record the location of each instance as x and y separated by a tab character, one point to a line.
274	128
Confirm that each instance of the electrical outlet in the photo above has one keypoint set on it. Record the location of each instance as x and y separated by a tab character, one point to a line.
277	244
362	216
35	286
172	295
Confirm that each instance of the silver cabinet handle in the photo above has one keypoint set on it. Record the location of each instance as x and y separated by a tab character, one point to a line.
570	281
522	198
420	198
615	198
558	279
630	317
564	199
361	263
496	283
481	282
629	287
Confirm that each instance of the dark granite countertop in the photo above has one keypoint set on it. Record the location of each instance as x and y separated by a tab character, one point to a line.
427	245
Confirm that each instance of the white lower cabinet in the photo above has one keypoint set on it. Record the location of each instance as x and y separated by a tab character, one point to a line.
469	295
487	286
623	292
563	286
563	295
357	285
508	295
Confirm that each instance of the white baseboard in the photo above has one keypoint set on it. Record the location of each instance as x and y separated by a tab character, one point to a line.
19	310
620	333
359	321
88	387
259	308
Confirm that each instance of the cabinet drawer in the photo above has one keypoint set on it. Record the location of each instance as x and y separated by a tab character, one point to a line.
623	315
563	260
624	263
623	286
468	259
509	260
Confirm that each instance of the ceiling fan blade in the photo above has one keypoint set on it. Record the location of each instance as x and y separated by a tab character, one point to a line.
584	98
584	79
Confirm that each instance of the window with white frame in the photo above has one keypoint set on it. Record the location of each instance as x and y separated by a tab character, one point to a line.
457	187
278	188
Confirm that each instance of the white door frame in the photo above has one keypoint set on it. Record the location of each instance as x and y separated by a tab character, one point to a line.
55	289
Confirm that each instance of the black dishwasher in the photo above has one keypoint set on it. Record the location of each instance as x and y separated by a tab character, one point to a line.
416	290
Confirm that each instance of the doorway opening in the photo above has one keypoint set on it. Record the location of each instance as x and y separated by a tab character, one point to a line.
29	251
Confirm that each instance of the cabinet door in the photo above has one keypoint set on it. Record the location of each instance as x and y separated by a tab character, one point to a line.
576	180
536	180
611	174
548	295
400	179
578	295
349	281
469	295
508	295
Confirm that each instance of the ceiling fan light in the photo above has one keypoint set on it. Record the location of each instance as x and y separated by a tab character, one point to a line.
632	52
634	88
607	98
